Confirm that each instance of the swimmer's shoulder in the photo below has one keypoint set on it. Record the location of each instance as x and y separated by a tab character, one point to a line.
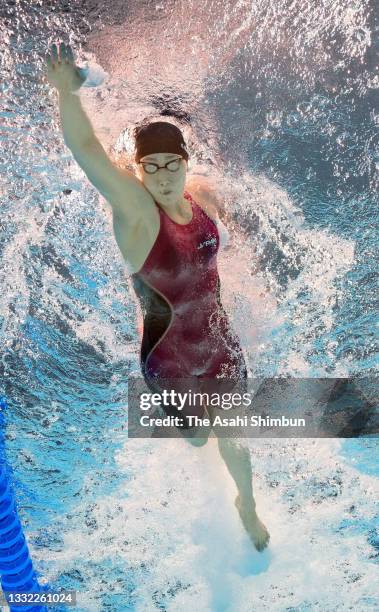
203	190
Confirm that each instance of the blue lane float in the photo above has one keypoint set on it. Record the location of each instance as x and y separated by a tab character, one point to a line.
16	568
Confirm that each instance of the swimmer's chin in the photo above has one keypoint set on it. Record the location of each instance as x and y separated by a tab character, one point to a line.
165	198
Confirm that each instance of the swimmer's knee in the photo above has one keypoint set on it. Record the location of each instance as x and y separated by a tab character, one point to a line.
196	441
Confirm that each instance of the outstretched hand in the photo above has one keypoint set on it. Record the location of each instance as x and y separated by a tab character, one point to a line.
61	70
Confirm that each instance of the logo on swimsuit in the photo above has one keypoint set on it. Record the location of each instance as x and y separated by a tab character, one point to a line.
210	242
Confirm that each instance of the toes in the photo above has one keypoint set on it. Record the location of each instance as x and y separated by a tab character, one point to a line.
59	54
54	53
260	546
69	54
62	51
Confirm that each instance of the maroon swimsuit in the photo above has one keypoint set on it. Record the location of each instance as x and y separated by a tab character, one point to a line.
186	330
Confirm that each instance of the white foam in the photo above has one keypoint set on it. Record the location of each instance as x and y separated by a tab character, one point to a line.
172	525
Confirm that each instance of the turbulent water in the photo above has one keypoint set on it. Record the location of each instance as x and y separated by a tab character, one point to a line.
278	104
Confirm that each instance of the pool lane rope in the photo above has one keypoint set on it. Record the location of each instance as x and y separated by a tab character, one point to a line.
16	567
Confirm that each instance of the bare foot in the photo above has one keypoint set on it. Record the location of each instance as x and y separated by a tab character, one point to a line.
254	527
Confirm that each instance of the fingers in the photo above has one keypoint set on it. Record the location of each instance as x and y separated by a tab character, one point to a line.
61	55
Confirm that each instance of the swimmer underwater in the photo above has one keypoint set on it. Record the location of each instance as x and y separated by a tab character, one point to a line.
170	242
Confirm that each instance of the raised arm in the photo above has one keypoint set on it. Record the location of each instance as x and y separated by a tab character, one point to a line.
128	197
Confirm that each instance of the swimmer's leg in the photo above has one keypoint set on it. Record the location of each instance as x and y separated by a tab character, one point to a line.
194	440
198	442
188	434
198	436
237	460
164	432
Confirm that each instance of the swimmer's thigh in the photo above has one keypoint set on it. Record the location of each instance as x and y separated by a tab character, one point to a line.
224	389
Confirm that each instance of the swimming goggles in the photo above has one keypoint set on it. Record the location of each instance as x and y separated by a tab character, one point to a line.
173	166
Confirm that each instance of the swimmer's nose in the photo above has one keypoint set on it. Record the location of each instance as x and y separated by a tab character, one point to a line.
164	181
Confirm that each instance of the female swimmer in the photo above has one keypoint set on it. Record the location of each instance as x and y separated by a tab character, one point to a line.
170	241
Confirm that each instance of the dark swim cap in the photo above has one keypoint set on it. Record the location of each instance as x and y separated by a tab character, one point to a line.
159	137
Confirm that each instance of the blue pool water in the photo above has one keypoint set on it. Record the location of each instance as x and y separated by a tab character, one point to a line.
281	101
